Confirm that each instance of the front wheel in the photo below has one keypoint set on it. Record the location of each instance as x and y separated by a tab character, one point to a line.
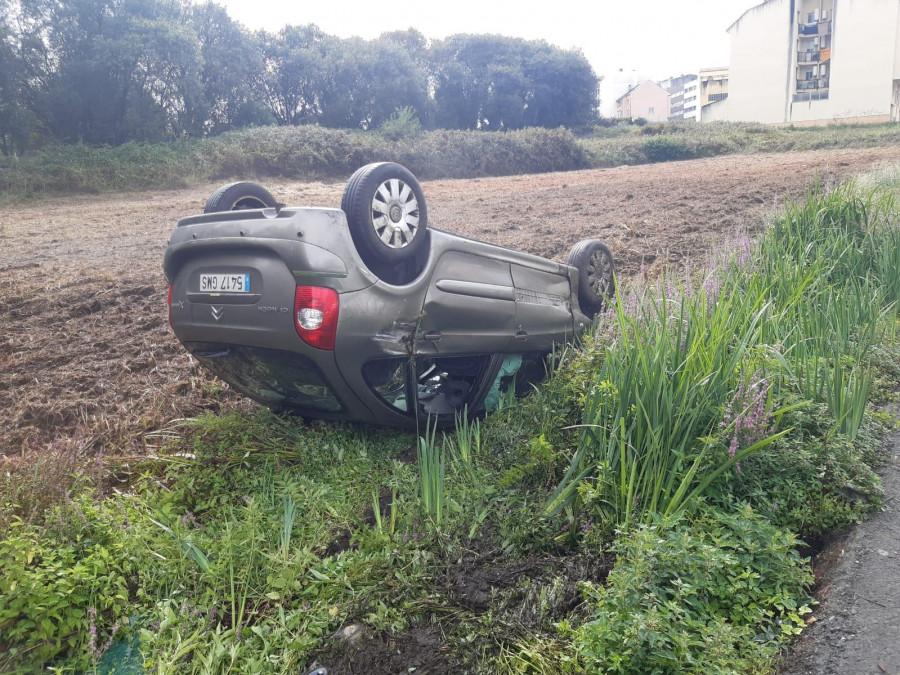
596	275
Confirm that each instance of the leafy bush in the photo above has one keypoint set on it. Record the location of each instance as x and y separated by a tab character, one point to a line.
55	595
809	481
716	595
403	123
665	149
625	144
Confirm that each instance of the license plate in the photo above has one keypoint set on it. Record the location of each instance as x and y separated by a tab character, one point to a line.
225	283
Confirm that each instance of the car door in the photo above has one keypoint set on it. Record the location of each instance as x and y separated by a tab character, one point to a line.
543	308
470	305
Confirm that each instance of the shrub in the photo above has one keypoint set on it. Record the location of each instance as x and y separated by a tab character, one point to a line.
807	481
304	152
665	149
401	124
714	595
56	593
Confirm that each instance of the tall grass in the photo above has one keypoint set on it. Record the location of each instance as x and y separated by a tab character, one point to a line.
313	153
695	380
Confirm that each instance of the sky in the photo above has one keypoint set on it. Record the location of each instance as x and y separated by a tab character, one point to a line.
625	41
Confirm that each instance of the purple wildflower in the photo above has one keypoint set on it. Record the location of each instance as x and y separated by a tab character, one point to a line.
748	415
92	630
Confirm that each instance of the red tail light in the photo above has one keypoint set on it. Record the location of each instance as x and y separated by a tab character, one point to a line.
169	304
316	315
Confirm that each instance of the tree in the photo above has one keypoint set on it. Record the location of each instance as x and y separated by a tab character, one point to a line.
16	123
294	73
367	81
230	74
109	71
563	88
496	82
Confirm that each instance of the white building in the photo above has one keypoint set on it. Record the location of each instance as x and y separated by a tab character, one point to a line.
692	101
812	62
676	87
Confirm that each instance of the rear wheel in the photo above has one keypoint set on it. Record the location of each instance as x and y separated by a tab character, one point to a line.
596	275
239	197
386	214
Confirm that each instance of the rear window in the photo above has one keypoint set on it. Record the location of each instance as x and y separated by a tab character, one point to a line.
270	376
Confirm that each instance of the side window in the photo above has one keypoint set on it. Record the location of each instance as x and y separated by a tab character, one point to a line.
441	385
389	379
447	385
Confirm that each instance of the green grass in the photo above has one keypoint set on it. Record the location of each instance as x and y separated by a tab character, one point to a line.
315	153
709	422
627	144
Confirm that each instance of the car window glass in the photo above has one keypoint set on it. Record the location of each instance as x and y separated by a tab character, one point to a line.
276	377
389	379
447	385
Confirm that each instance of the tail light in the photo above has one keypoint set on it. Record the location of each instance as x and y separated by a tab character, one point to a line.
169	304
316	315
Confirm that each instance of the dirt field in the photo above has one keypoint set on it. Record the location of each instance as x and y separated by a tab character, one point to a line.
87	361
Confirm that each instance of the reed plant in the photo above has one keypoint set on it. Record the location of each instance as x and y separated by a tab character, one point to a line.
432	477
694	380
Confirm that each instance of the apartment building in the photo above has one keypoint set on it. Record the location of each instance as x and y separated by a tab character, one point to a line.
809	62
713	84
647	100
676	88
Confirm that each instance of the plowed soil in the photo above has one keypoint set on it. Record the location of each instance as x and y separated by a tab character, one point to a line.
87	360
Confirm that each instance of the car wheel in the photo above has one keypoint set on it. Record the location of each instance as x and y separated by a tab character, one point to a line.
386	213
239	197
596	275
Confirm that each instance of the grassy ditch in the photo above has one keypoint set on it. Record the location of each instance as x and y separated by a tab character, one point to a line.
640	512
316	153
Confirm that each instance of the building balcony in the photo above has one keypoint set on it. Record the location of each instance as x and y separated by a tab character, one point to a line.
813	56
815	84
814	28
819	95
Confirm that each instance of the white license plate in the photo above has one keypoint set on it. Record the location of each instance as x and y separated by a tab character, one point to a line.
224	283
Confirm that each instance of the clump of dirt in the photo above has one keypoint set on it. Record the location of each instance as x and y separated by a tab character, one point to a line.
519	596
86	348
529	592
419	650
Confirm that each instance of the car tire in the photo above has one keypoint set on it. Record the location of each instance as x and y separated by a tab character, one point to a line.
386	213
239	197
596	275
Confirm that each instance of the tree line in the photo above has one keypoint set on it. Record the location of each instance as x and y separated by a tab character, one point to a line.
113	71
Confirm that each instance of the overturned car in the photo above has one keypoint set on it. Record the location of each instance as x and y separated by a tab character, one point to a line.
366	313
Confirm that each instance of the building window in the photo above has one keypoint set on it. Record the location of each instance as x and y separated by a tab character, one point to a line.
717	97
651	111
